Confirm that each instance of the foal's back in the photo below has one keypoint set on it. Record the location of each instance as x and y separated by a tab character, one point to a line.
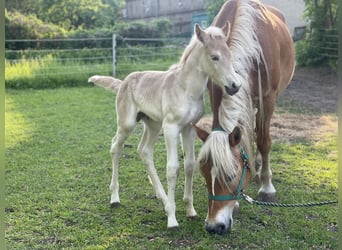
149	92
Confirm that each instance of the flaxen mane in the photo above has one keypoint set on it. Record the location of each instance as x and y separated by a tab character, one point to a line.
236	110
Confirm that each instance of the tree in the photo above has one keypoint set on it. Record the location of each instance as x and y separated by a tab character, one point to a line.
71	14
320	44
213	7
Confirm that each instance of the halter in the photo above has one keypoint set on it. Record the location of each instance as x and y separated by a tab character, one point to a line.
238	195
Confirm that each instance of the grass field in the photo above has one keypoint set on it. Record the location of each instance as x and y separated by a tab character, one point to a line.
58	173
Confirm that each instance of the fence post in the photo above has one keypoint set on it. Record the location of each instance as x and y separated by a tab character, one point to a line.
114	54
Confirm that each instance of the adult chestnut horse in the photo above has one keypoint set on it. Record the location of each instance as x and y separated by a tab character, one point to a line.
265	59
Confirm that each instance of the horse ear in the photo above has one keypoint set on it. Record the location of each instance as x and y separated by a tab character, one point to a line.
202	134
201	35
226	30
235	137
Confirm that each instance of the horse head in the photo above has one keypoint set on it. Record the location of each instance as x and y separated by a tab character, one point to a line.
218	59
224	165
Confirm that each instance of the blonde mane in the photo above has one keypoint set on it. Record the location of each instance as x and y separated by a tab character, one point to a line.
236	110
243	39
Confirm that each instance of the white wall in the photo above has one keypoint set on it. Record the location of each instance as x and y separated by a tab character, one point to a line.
292	9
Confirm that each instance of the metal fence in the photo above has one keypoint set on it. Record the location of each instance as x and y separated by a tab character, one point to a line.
114	55
107	55
329	39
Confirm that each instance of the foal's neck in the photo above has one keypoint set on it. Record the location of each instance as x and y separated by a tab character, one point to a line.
194	78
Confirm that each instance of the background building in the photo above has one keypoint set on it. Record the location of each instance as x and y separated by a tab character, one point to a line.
184	13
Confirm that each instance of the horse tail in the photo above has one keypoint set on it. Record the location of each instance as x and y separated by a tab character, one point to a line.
107	82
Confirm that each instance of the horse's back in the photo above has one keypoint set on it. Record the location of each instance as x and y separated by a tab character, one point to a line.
278	50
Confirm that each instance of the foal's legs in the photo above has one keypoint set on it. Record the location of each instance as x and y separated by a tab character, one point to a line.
171	135
267	190
146	149
188	141
125	124
115	151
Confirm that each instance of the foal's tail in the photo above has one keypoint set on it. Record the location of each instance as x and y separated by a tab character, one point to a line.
107	82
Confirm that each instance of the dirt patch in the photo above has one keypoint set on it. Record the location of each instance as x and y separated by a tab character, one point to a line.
299	127
313	94
312	89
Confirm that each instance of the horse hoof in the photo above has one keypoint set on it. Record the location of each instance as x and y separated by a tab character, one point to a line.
174	228
193	217
115	204
267	197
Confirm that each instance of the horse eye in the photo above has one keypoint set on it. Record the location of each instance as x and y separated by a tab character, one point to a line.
215	58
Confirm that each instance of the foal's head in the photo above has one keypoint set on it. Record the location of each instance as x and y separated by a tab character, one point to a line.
223	164
218	58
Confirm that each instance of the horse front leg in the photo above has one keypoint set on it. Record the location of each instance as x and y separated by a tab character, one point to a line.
171	135
267	191
188	141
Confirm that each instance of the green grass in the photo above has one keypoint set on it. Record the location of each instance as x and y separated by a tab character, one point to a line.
58	172
50	71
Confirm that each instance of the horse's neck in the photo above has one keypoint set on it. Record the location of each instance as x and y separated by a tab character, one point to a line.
193	78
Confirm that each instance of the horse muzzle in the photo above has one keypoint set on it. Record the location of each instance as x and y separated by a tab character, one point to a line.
233	89
218	228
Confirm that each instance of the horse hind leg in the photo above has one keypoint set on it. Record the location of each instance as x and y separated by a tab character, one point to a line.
122	133
146	150
267	191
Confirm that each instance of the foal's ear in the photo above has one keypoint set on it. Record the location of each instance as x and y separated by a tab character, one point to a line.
226	30
201	35
202	134
235	137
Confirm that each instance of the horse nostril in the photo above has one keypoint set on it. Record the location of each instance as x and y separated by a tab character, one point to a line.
233	89
221	229
210	229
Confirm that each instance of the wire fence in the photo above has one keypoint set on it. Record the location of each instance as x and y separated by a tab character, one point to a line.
74	60
106	55
329	41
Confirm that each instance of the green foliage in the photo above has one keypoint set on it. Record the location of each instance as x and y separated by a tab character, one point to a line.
213	7
162	26
71	14
308	53
158	28
19	26
320	44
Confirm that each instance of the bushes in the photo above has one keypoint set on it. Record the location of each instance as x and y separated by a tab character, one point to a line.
69	62
18	26
308	53
320	44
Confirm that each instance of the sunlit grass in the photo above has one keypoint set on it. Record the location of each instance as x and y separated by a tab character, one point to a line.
17	127
51	72
22	68
58	174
